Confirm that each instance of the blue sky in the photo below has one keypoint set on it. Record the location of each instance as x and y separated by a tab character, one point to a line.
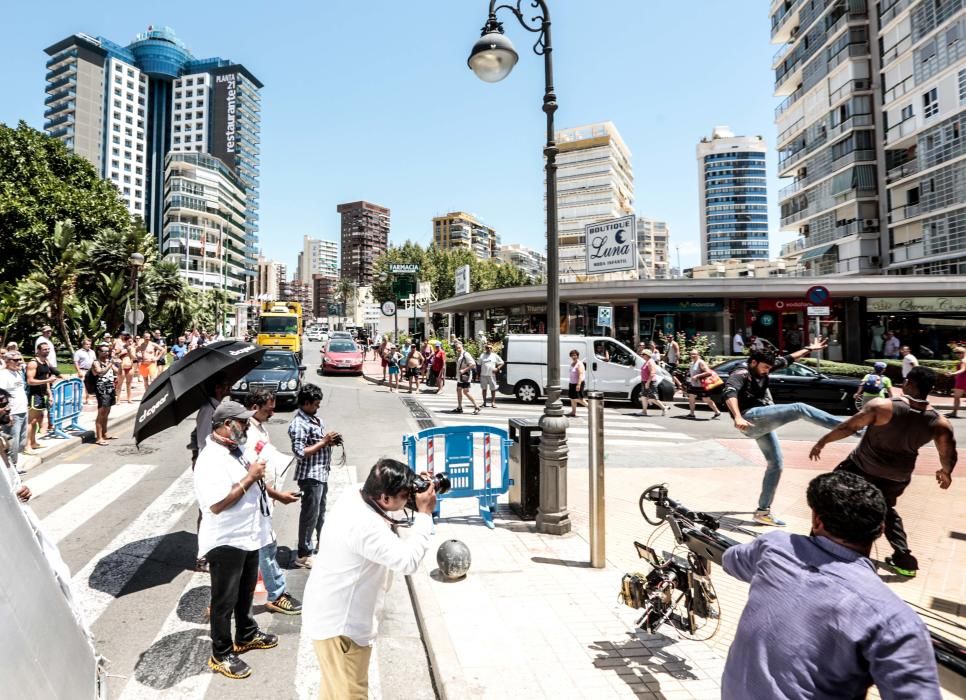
373	100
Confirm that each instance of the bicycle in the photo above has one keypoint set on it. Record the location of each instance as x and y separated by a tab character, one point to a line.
677	591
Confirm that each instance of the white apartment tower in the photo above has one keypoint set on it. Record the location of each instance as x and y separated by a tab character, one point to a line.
595	182
318	257
732	197
652	249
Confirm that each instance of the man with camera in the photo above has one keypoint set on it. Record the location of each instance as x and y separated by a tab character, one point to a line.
819	622
359	547
312	447
235	525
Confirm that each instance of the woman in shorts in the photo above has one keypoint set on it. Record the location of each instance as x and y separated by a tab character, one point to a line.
393	358
578	379
105	369
696	372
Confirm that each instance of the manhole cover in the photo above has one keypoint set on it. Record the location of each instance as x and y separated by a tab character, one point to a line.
144	450
277	421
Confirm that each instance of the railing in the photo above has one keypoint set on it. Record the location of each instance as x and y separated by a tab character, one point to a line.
793	10
904	252
849	124
904	212
794	246
902	171
898	90
901	130
790	131
848	88
900	47
70	80
891	12
781	53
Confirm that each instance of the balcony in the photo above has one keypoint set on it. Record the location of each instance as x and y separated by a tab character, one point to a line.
57	84
57	121
789	101
781	53
848	89
66	68
907	251
898	90
793	246
781	29
903	171
901	132
904	212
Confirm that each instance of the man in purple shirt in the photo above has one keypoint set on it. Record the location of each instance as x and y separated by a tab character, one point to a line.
819	622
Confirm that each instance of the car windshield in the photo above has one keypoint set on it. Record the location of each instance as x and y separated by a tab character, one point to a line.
342	346
796	370
272	360
279	324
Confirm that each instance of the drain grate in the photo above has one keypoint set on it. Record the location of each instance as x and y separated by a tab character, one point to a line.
145	450
424	419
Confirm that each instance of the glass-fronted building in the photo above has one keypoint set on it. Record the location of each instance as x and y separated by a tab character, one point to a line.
732	197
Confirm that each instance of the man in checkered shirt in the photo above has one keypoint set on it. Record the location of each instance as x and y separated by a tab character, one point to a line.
312	447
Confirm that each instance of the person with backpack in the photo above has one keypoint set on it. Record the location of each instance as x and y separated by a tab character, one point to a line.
874	385
465	365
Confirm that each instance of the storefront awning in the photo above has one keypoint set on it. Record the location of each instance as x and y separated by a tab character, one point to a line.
816	253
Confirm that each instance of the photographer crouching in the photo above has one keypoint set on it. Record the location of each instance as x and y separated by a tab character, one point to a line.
358	548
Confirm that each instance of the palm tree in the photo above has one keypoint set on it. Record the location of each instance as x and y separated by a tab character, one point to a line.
345	292
54	274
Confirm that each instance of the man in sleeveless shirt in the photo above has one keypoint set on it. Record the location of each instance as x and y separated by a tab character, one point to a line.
886	456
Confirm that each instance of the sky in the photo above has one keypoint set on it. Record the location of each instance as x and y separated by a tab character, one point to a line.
374	100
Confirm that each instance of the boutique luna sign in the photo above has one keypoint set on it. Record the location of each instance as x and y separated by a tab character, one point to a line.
611	245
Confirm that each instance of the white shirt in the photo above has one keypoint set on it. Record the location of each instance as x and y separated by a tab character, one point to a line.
357	550
52	357
489	363
242	525
738	343
12	381
908	362
84	358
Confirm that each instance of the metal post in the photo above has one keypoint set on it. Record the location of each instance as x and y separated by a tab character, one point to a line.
818	336
137	273
595	435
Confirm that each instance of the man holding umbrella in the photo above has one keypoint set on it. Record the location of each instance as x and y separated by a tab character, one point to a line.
235	525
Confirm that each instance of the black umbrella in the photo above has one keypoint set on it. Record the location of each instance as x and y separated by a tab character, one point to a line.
181	391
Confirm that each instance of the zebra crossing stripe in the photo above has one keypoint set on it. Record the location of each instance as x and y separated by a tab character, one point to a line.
53	477
122	557
167	668
82	508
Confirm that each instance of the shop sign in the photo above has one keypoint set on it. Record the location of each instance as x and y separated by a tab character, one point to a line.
535	308
819	311
404	268
463	280
783	305
611	245
918	304
682	305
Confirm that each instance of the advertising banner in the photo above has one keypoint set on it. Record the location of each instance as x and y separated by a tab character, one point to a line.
463	280
611	245
222	140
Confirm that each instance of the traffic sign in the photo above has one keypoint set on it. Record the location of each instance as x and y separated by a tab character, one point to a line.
819	311
388	308
605	315
817	295
133	319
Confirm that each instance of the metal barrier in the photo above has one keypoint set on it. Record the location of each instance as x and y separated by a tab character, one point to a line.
595	440
66	404
467	460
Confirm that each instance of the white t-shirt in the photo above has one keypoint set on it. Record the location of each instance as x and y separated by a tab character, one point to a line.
84	358
243	525
12	381
357	550
908	362
489	363
52	357
738	344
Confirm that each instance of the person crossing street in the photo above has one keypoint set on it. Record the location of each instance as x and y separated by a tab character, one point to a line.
895	430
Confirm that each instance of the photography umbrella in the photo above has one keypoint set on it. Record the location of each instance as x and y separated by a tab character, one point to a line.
180	391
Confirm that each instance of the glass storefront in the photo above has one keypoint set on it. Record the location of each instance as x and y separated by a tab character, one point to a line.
658	318
785	324
928	325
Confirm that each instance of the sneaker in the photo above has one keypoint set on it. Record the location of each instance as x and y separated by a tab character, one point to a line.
230	666
908	573
766	518
302	562
285	604
476	410
457	410
261	640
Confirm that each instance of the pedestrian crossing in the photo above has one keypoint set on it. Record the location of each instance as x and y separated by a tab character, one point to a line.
624	426
173	662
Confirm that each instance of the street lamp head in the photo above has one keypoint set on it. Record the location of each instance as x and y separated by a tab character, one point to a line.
136	260
493	55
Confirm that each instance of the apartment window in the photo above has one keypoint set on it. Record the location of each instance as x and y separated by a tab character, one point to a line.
138	193
116	139
200	103
117	127
139	171
129	120
117	115
199	126
127	179
188	81
127	167
187	127
127	155
118	80
130	108
930	104
139	158
177	95
115	152
197	137
130	96
115	163
962	86
906	113
199	115
198	148
177	129
130	73
127	143
130	85
177	105
177	139
127	191
952	35
137	181
137	205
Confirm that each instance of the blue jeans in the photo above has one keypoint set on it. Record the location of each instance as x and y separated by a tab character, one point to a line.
765	421
312	515
16	432
272	573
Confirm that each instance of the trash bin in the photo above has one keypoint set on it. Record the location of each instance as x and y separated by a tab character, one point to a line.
525	466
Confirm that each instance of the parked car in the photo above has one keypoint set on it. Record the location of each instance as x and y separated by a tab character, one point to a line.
314	334
341	356
345	335
279	371
612	367
797	382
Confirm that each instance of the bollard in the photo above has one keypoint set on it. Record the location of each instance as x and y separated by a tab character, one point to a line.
595	426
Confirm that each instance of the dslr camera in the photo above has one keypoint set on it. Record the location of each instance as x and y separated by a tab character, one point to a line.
421	485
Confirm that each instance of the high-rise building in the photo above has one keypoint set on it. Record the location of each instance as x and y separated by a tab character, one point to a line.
827	123
923	83
137	112
732	197
532	262
457	229
595	182
365	236
323	293
318	257
269	283
652	249
297	290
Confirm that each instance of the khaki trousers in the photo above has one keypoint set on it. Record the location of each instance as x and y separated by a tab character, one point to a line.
345	669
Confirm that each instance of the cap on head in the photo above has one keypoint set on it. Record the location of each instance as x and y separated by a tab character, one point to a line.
230	410
14	355
46	328
438	344
879	366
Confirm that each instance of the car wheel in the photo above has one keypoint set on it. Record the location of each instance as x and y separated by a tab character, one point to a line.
527	391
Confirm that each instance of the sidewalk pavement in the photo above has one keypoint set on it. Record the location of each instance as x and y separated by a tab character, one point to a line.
51	446
532	620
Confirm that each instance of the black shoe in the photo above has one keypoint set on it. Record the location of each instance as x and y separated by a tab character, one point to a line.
476	410
457	410
285	604
261	640
230	666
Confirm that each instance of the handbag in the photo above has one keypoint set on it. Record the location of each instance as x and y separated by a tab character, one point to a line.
712	381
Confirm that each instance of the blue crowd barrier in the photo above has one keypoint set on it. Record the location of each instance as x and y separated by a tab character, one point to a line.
468	459
66	404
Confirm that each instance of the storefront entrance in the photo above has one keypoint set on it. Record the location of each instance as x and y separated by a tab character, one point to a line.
928	325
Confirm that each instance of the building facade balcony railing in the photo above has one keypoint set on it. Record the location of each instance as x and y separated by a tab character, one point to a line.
901	213
790	11
903	171
899	89
788	102
890	9
848	89
905	252
898	131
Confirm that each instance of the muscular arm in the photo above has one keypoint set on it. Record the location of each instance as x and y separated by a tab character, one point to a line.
945	441
864	418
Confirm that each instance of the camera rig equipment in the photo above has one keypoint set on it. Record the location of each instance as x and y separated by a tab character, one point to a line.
678	589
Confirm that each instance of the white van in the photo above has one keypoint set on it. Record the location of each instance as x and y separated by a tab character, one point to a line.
612	367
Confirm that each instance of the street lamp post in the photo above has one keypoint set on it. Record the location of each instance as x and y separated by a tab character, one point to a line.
137	262
492	59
